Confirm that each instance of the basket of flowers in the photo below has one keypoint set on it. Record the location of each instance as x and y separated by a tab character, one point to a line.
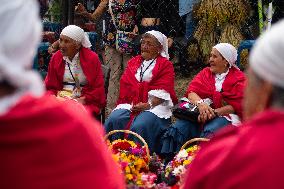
175	169
132	157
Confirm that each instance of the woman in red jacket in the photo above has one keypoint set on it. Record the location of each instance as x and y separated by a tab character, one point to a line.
217	91
75	71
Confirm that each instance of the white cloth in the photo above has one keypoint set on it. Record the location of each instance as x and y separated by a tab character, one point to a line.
229	52
219	80
163	41
267	57
20	28
76	33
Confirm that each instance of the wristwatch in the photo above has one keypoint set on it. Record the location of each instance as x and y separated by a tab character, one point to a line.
199	102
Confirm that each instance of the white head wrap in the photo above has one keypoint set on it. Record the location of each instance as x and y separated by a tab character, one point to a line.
163	41
267	56
20	28
76	33
229	52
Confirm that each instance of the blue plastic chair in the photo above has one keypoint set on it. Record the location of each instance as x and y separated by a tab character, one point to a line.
53	27
246	44
42	51
93	36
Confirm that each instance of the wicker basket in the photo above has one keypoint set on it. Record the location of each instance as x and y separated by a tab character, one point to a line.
194	140
132	133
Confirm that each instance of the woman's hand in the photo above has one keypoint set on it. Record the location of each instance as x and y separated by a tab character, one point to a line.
80	8
206	113
170	42
140	107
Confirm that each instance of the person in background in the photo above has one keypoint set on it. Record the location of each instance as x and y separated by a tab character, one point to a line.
146	92
160	15
217	91
80	21
119	32
44	143
75	71
250	156
186	11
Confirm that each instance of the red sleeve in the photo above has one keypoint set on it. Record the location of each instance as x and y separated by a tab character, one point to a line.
164	77
54	78
94	90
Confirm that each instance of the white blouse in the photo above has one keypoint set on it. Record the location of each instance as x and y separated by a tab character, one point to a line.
219	80
144	73
76	69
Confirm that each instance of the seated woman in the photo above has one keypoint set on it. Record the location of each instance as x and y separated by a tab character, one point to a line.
146	92
217	91
75	71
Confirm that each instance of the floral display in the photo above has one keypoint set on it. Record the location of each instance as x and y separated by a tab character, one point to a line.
132	159
175	169
149	172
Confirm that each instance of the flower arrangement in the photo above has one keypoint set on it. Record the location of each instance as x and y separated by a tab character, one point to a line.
175	169
132	158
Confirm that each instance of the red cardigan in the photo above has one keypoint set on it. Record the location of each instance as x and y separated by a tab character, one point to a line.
132	91
232	89
94	89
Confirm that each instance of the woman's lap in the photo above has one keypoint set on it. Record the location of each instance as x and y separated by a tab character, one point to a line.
117	120
151	128
213	125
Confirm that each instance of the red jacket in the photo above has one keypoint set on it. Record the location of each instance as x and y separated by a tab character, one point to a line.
94	90
232	91
248	156
132	91
48	144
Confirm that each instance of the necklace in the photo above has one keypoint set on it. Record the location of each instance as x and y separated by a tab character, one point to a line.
143	72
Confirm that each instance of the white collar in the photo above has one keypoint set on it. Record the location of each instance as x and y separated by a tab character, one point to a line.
222	75
66	58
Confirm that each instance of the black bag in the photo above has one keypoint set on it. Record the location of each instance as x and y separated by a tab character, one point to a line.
186	110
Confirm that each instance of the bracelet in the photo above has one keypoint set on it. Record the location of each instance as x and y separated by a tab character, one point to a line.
199	102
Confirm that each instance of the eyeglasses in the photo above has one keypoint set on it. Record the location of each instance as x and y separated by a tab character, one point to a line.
149	44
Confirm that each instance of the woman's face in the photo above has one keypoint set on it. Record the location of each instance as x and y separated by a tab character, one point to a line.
150	47
257	95
218	64
68	46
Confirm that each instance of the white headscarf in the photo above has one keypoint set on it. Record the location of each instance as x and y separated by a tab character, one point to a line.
229	52
163	41
76	33
267	56
20	28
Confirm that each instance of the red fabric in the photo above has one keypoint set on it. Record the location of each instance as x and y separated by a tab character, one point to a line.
249	156
132	91
94	90
49	144
232	89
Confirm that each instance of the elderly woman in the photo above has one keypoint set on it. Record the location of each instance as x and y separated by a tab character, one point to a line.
217	91
75	71
146	92
45	143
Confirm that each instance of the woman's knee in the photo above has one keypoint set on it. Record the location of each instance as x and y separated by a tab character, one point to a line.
117	120
214	125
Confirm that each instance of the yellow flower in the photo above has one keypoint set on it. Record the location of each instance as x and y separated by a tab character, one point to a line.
129	176
127	169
